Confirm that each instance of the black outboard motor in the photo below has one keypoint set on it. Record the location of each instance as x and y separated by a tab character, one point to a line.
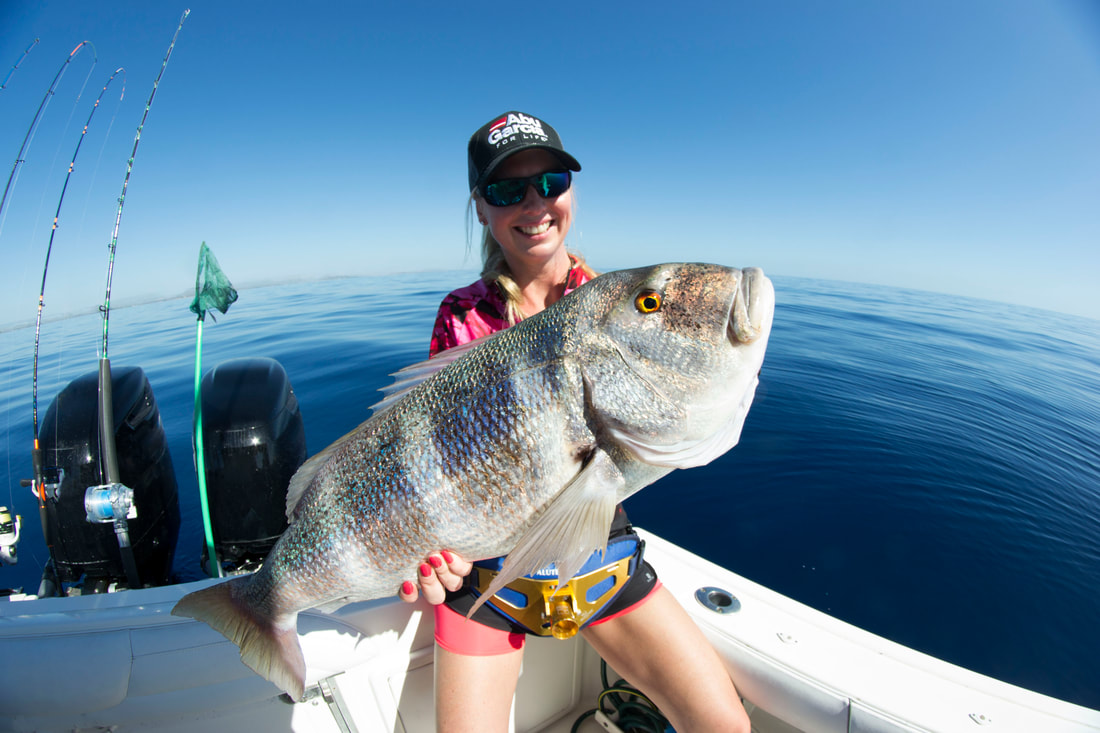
253	442
69	438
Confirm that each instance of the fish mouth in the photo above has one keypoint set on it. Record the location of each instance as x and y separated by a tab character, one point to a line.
752	308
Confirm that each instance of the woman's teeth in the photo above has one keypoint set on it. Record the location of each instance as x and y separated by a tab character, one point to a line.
537	229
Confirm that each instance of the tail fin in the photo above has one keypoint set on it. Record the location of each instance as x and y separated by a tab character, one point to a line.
269	648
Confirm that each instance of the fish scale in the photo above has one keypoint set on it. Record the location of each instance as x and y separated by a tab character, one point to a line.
518	445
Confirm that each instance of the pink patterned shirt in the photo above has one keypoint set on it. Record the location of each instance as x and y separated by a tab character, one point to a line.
478	310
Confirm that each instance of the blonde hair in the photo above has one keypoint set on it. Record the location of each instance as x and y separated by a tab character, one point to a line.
494	267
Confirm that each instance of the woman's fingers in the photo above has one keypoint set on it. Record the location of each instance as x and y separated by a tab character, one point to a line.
408	592
430	586
452	570
443	571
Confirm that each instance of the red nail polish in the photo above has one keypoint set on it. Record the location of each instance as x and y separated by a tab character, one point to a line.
407	588
435	561
425	570
447	556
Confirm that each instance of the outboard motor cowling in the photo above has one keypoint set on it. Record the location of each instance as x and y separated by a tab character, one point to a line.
69	438
253	442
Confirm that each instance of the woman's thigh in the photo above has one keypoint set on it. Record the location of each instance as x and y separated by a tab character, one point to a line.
659	649
474	693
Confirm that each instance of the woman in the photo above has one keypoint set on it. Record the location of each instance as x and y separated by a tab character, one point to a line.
521	188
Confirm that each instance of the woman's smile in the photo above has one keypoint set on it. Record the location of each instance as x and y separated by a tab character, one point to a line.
536	229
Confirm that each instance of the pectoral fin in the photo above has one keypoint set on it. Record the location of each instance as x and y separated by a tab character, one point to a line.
571	528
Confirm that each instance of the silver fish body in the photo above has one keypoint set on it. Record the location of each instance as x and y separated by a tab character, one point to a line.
520	444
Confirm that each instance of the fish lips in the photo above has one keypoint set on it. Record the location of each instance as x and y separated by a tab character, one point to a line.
753	307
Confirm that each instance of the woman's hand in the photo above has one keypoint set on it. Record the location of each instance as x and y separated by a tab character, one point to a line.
442	572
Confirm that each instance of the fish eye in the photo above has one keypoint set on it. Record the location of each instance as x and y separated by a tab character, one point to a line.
648	301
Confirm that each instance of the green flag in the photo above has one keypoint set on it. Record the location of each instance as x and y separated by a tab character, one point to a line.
212	287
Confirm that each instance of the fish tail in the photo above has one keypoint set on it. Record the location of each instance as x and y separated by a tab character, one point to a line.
269	648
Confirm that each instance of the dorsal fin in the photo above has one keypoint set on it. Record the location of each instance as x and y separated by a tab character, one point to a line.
305	473
407	379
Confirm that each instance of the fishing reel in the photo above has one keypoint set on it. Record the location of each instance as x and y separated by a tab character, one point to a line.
9	536
109	503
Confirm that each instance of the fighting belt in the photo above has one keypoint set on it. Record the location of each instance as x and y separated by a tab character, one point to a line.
540	607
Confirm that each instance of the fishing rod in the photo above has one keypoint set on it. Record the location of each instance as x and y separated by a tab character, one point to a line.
106	309
38	115
108	453
8	77
36	453
53	231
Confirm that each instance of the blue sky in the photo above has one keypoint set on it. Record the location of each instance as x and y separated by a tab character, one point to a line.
938	145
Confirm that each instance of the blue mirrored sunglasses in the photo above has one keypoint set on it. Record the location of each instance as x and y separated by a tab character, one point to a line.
513	190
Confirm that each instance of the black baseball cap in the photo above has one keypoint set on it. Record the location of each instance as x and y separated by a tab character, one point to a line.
510	133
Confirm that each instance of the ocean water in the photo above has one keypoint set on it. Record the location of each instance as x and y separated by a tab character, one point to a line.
924	466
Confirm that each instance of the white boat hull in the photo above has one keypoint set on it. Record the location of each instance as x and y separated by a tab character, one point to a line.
122	662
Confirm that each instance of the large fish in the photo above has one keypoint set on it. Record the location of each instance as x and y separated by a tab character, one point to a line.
520	444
